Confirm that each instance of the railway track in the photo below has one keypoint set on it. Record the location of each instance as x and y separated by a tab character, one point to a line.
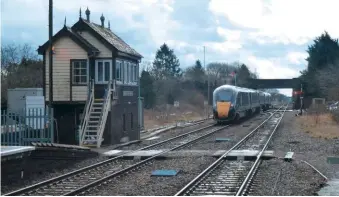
229	177
75	182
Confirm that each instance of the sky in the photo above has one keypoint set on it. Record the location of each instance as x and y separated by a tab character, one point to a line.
270	36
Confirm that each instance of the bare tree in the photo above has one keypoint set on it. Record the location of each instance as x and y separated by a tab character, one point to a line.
20	68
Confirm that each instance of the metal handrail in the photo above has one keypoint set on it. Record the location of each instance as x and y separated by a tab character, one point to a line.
85	114
105	107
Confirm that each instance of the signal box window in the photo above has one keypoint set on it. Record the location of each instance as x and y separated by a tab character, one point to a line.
79	72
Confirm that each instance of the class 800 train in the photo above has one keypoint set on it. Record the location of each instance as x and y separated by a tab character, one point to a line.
231	103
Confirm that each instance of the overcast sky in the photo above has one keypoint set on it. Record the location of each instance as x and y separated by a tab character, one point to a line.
271	37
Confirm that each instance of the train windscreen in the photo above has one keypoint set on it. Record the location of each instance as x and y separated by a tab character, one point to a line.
225	96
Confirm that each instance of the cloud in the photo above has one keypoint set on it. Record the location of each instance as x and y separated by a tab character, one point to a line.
230	35
297	57
269	36
287	91
270	68
280	21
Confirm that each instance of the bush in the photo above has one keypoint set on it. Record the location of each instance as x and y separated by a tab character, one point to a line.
335	115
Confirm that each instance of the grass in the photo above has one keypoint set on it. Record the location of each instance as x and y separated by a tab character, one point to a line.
319	125
186	112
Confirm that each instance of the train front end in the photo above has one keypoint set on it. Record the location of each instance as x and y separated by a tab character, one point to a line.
224	105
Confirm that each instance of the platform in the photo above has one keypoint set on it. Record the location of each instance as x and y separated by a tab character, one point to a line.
12	150
331	189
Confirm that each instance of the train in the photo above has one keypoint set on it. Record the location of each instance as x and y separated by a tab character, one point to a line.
232	103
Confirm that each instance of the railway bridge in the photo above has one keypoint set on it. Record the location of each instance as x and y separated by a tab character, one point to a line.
294	83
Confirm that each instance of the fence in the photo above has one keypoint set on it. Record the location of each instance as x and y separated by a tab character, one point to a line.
23	128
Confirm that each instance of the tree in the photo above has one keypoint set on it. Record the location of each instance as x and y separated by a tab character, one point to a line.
195	72
147	89
196	77
328	82
166	64
20	68
218	72
322	55
243	76
323	52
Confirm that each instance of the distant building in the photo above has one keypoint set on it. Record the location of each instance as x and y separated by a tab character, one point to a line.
89	52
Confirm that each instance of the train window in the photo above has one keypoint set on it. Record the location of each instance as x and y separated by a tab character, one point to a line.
224	96
239	99
254	97
245	99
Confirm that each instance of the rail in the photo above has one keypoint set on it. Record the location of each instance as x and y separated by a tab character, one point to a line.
219	161
255	166
85	114
80	172
137	165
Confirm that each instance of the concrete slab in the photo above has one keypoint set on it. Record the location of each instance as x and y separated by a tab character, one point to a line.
221	139
243	153
144	153
332	189
157	132
237	154
11	150
113	153
289	156
333	160
152	138
164	172
191	153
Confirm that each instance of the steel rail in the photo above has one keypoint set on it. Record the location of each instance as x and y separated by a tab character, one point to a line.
255	166
64	176
93	184
219	161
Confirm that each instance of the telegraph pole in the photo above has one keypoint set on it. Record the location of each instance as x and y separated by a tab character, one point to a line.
50	27
301	100
208	87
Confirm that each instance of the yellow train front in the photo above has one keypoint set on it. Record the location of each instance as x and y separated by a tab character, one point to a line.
233	103
224	99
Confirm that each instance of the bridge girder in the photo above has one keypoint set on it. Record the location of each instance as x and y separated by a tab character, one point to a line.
294	83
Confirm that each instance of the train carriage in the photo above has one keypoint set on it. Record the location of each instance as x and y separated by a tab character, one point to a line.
232	103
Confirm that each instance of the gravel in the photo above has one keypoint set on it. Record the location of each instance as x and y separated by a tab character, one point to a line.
313	150
141	183
36	178
182	140
278	177
258	140
165	135
235	133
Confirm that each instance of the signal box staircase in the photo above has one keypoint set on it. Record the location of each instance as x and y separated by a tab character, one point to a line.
95	114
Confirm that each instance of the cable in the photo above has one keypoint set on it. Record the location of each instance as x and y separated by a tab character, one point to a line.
321	174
